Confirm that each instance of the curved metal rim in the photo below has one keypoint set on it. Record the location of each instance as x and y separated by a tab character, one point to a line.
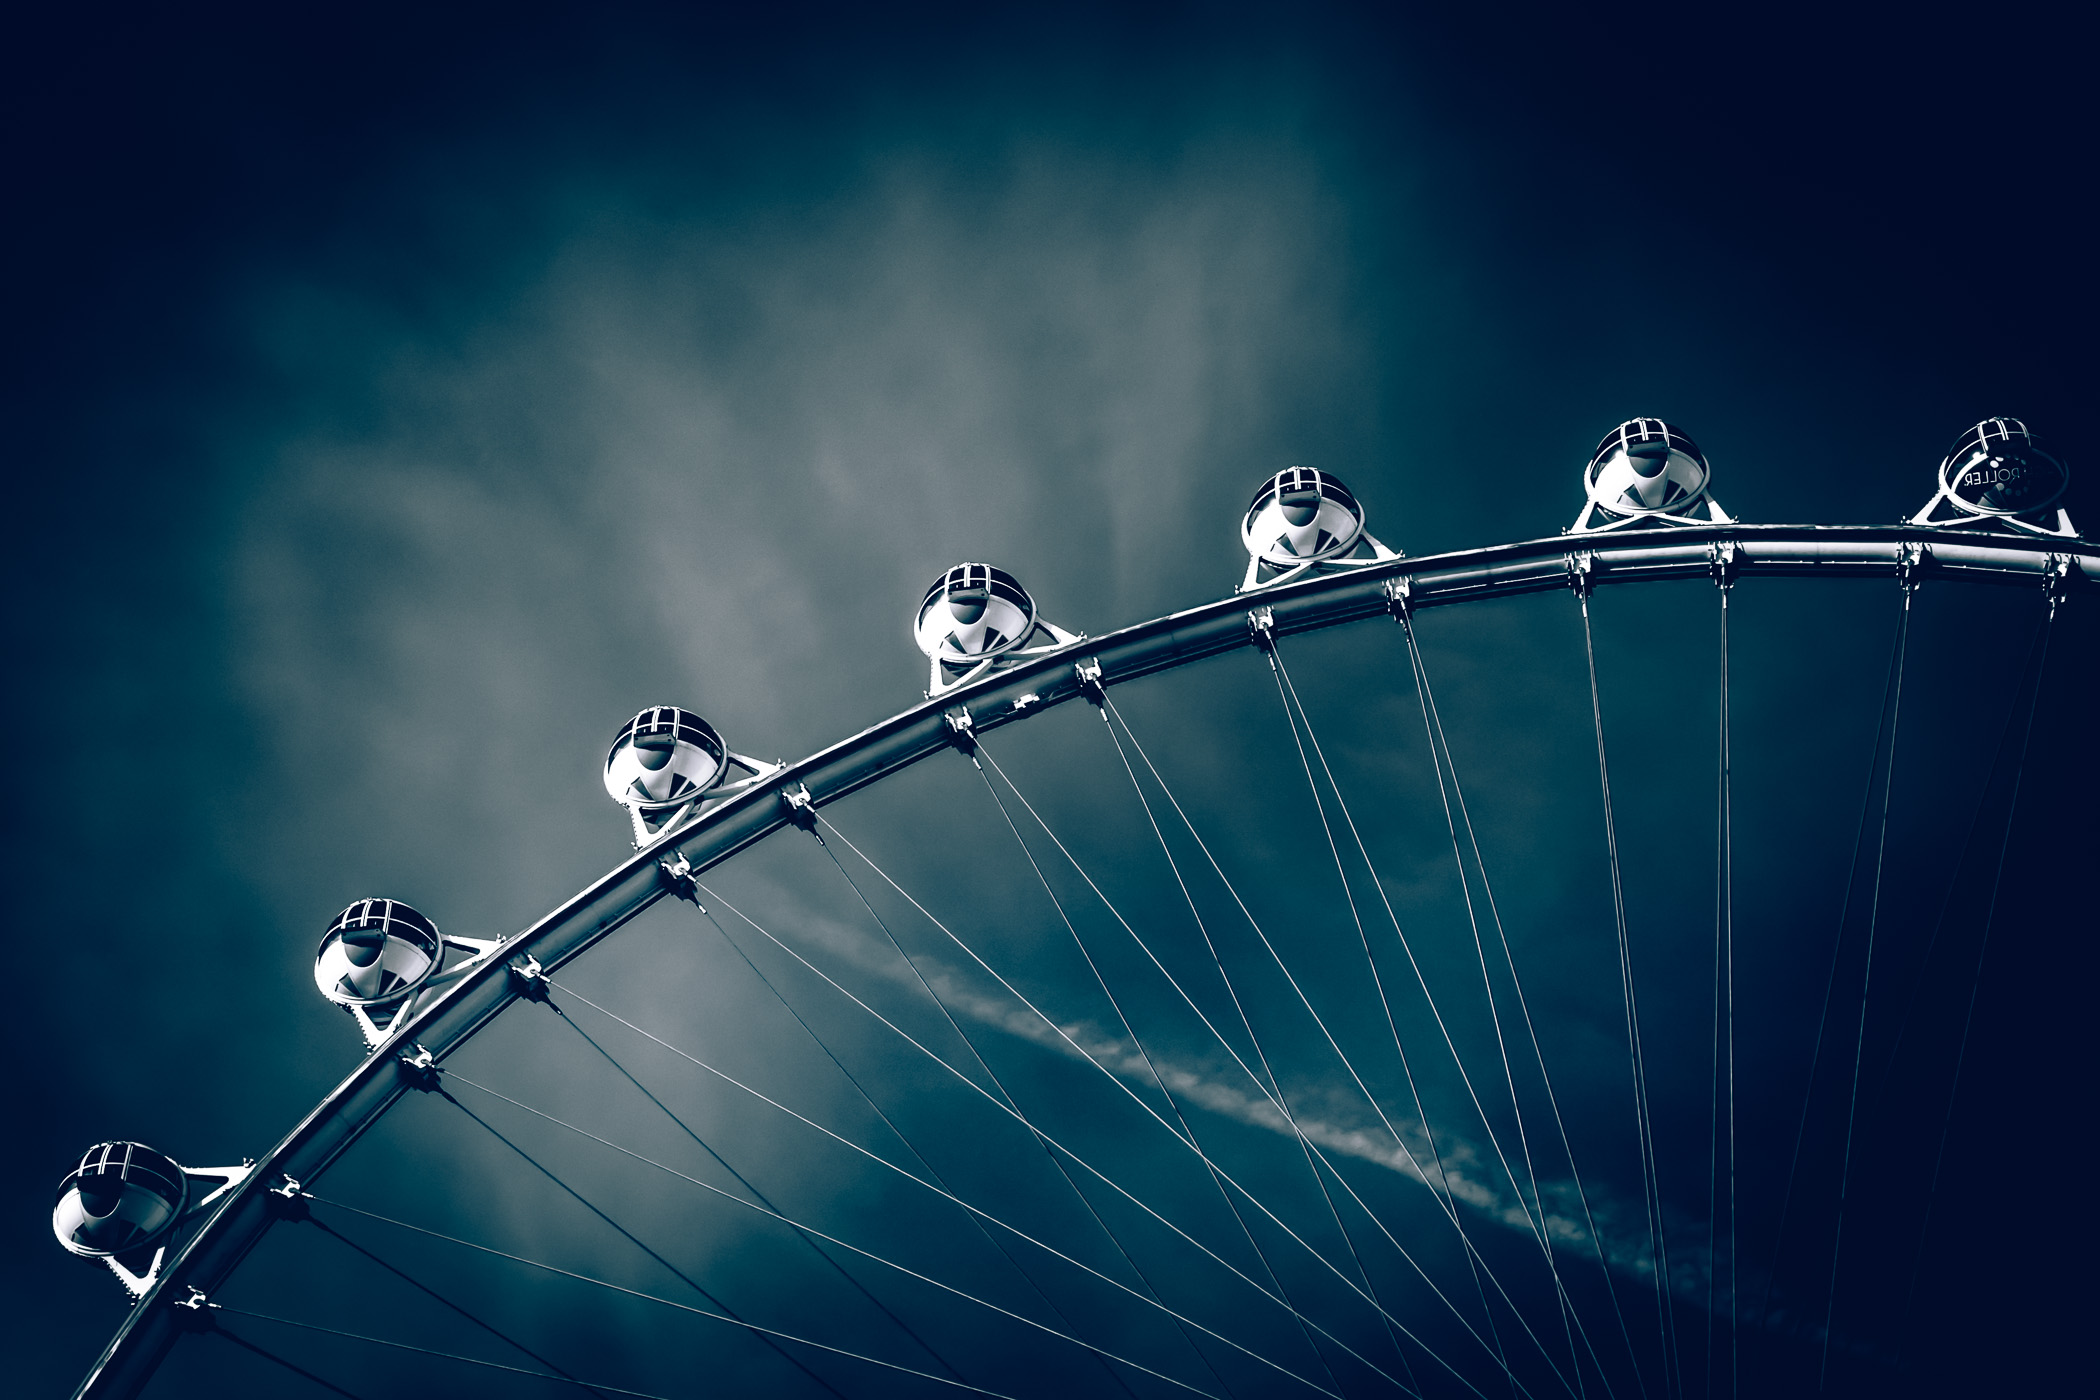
239	1221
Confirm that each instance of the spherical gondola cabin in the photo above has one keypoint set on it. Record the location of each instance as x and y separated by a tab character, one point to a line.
376	953
1301	516
975	619
1646	469
1302	521
1999	467
973	611
663	759
1999	477
123	1196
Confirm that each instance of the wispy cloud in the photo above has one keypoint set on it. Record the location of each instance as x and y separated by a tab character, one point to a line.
1458	1165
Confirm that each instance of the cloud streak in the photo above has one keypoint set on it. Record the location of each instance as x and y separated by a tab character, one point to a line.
1463	1175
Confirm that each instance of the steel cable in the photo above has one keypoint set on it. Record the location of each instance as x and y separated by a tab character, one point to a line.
948	1195
1006	1094
1282	1102
244	1344
1890	685
1287	692
808	1237
922	1049
649	1297
1939	1156
1406	1151
1187	1132
1866	984
1939	922
982	1229
802	1228
1723	1013
1651	1183
1449	1208
1440	743
1445	1201
404	1346
1153	1113
1282	1108
325	1228
683	1277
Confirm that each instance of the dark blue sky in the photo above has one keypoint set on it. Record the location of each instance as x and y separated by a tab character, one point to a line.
400	399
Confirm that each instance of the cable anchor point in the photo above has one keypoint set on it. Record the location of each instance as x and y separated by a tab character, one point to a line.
1911	558
1722	561
1400	598
530	977
1261	624
287	1199
1088	674
1582	573
2056	580
421	1069
962	730
199	1307
802	808
678	874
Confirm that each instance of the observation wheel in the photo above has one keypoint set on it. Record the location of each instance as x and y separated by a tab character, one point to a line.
1220	1006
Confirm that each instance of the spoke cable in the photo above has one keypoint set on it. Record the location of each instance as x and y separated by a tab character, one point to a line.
1281	1106
806	1229
1866	983
1441	745
906	1036
1287	692
685	1278
1651	1182
983	1230
404	1346
1126	1089
1475	1264
1939	1156
1939	922
219	1330
1333	1211
1723	1012
809	1237
651	1297
1006	1094
1016	1231
1890	685
1445	1201
325	1228
1187	1133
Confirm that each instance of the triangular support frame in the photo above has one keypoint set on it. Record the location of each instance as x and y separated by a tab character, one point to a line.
376	1031
137	1283
1949	511
1353	559
1042	638
651	826
1587	523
